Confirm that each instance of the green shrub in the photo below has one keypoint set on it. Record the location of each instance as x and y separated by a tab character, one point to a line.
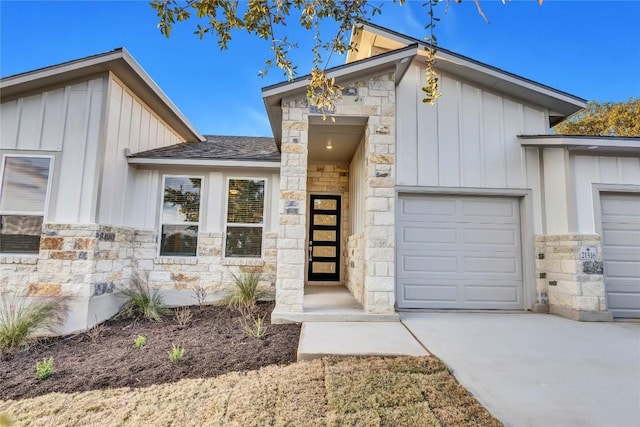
142	302
44	369
245	292
176	354
22	317
139	342
253	326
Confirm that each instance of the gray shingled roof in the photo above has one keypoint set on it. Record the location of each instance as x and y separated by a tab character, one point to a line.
218	147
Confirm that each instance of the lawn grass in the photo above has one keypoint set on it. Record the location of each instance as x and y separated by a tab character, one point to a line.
374	391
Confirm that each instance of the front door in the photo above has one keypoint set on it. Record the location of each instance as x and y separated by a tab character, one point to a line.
324	239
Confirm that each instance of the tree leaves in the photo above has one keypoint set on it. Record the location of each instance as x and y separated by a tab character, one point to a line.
604	119
266	20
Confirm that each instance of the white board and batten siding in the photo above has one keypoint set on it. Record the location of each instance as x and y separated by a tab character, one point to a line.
126	195
459	252
467	139
64	122
589	170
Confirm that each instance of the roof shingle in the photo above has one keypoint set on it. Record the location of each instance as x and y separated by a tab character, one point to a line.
218	147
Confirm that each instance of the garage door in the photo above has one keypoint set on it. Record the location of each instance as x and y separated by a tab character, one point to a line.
459	252
621	252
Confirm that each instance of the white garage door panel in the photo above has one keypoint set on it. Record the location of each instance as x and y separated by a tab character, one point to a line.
459	252
621	252
462	264
425	236
488	293
488	210
449	236
495	266
415	293
435	264
443	295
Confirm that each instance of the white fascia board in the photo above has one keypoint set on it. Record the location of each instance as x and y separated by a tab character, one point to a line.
354	68
587	145
586	141
504	77
119	61
159	92
60	69
500	77
204	162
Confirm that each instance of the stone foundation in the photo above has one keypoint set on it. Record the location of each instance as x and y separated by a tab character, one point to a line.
572	287
87	263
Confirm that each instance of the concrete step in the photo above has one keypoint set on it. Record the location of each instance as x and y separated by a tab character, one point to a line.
332	316
319	339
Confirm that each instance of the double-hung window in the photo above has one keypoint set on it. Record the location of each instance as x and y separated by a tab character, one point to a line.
180	221
23	200
245	218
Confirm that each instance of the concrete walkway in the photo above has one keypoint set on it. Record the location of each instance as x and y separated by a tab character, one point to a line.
318	339
540	370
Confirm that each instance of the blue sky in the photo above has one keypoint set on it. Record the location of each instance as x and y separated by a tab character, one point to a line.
587	48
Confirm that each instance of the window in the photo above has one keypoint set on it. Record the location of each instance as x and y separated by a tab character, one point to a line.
245	218
180	216
23	200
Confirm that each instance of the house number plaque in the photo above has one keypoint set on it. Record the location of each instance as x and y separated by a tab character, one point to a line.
587	253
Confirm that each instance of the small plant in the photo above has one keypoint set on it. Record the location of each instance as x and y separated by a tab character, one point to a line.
44	369
245	292
142	302
22	317
253	326
176	354
183	316
200	293
139	342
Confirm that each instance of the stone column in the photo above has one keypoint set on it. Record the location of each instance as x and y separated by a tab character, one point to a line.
573	287
292	208
379	230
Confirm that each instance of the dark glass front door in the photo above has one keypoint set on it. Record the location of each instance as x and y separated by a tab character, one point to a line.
324	239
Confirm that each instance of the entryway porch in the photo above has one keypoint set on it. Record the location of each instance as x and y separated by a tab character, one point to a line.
332	303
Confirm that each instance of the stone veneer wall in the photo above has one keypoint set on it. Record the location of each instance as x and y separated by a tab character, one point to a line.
333	179
355	266
76	260
573	288
179	276
86	263
83	263
373	98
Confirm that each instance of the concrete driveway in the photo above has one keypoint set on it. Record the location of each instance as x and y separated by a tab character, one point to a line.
539	370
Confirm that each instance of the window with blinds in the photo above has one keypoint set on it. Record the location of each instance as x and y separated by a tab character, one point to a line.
180	221
23	198
245	218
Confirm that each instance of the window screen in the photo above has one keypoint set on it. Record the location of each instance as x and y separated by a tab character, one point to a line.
180	216
245	218
23	195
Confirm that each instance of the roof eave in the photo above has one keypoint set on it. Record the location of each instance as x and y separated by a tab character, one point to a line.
118	61
398	60
588	145
220	163
561	104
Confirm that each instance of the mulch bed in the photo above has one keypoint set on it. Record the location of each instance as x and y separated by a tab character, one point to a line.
214	344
